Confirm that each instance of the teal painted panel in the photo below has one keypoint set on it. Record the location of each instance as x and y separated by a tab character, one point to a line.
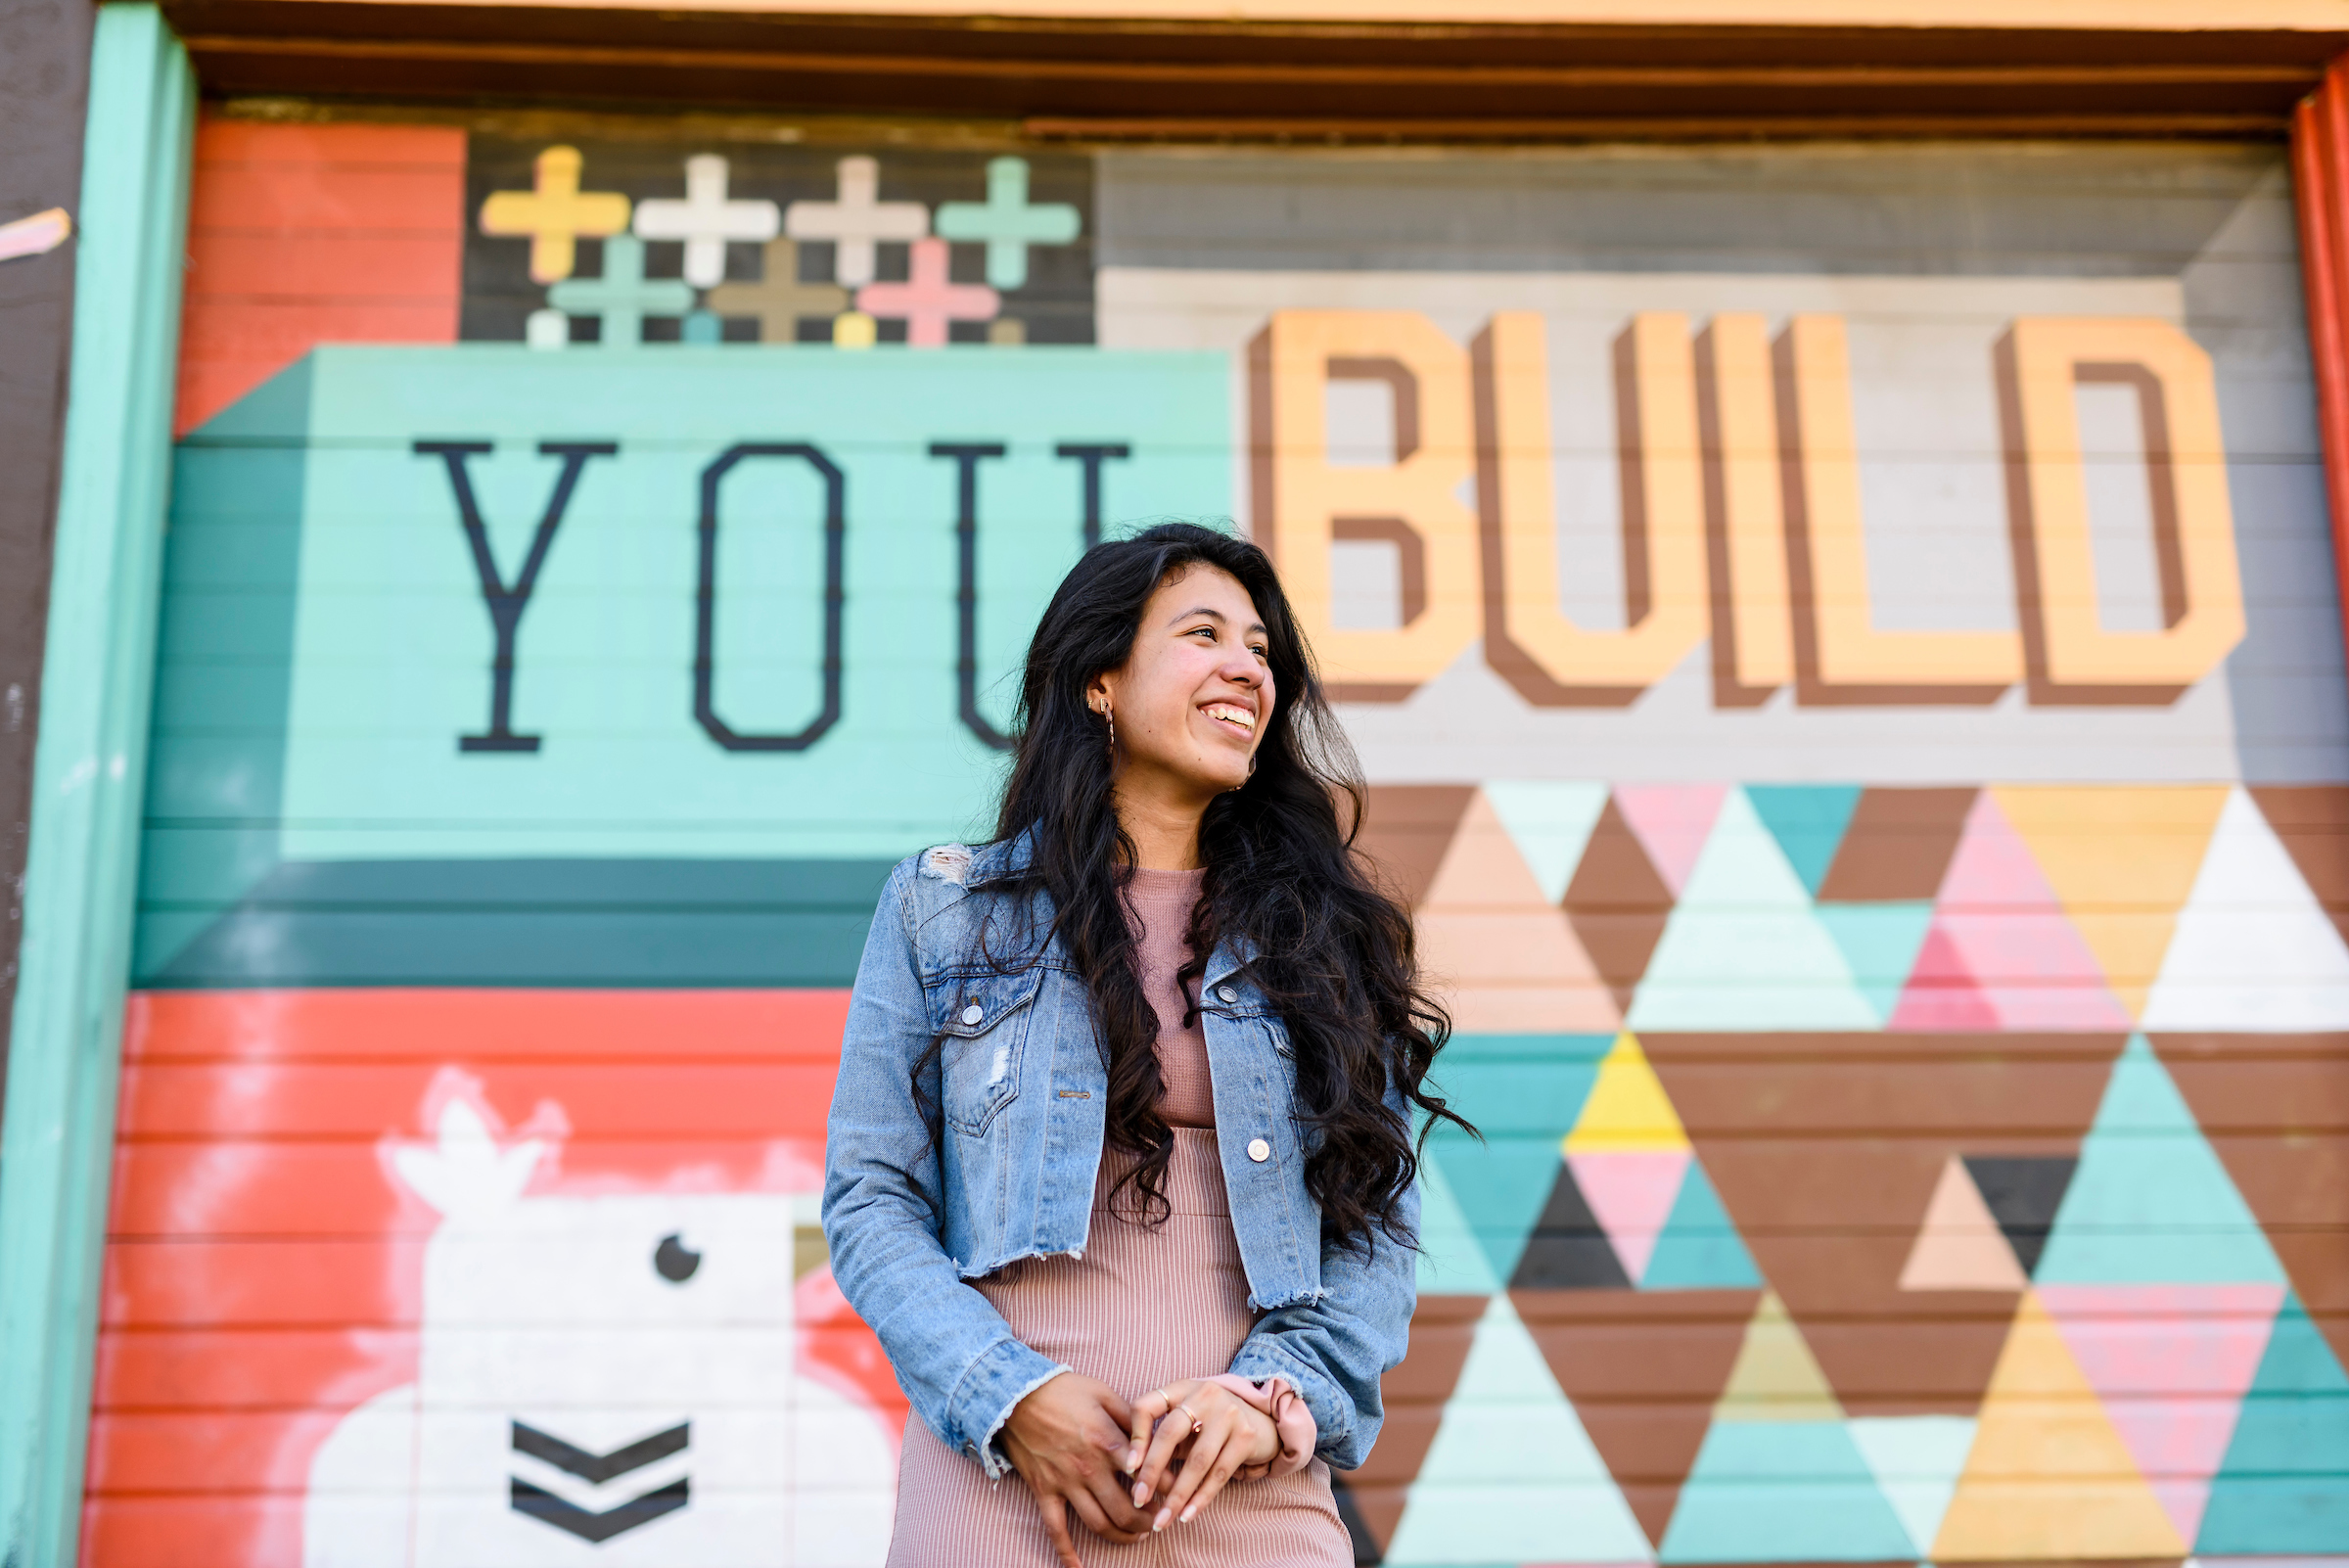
1523	1094
2151	1204
2280	1489
1880	943
1782	1491
1807	821
1700	1248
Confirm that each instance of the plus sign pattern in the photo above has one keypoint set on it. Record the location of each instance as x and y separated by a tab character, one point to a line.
775	244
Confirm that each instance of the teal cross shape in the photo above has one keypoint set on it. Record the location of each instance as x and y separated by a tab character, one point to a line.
1007	222
622	296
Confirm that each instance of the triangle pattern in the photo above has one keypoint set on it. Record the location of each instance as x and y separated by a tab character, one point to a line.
1628	1111
1807	821
2308	821
1799	1491
1880	943
1777	1379
2002	923
1960	1246
1512	1477
1523	1092
2253	949
1942	995
1631	1193
1549	823
1569	1249
1672	822
1488	929
2151	1204
2284	1489
1451	1263
1743	950
2048	1476
2122	862
2172	1363
1700	1249
1618	903
2024	1192
1916	1461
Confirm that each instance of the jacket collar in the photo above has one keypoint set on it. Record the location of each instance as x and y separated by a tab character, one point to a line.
1010	857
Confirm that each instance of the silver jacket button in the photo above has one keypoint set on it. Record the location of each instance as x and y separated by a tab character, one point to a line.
973	1013
1226	994
1259	1150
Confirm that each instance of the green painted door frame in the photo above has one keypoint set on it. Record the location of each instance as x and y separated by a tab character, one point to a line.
89	773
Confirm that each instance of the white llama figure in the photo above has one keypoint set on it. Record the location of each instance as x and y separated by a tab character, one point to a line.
606	1379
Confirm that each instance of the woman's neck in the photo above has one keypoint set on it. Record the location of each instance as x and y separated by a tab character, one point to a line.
1165	831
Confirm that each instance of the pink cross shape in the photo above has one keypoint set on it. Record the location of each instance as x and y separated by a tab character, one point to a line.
926	301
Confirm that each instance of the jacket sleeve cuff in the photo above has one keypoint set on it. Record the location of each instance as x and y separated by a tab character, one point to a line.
1262	1361
1291	1421
991	1387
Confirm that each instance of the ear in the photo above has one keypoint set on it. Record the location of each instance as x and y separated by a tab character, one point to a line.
1101	692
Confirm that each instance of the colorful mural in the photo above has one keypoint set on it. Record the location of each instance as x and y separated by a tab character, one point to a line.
1843	648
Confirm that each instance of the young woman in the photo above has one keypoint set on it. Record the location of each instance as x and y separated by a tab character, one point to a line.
1121	1167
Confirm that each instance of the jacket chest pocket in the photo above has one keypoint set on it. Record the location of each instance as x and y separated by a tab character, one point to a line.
984	1021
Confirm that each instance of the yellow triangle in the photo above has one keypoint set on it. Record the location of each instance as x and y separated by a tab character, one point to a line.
2048	1475
1777	1378
2121	862
1628	1111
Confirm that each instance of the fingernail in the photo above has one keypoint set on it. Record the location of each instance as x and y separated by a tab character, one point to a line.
1160	1523
1187	1513
1133	1460
1141	1494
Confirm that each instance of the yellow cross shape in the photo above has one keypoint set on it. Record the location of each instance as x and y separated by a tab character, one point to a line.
555	215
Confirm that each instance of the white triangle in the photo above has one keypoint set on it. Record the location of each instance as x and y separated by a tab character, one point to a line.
1511	1476
1743	950
1916	1460
2253	948
1549	823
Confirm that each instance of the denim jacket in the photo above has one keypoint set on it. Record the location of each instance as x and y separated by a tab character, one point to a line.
1024	1094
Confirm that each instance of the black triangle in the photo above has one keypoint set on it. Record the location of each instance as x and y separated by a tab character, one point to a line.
1569	1249
2022	1192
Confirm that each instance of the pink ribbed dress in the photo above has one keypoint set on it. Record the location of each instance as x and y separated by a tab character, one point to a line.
1143	1307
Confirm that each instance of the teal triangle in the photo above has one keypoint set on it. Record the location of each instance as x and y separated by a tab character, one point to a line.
1549	822
1450	1261
1783	1492
1807	821
1699	1249
2151	1204
2283	1487
1742	949
1512	1476
1523	1094
1879	940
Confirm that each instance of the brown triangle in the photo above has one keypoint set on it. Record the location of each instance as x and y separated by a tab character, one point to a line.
1442	1327
1643	1369
1898	845
1406	830
2312	822
2271	1106
1826	1149
1618	903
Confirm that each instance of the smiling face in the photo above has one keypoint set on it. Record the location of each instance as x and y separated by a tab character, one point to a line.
1191	699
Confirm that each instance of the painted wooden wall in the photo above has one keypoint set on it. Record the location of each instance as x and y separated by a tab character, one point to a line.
1845	649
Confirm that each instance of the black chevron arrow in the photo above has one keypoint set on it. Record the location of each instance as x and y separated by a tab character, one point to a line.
598	1528
598	1468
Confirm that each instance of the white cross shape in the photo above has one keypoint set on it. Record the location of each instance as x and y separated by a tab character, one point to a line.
706	221
856	221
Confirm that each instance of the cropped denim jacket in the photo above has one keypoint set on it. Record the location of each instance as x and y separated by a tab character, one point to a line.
1023	1091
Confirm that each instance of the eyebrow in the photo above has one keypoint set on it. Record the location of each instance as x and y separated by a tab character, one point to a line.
1255	628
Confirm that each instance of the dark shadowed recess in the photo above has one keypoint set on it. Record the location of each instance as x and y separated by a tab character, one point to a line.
532	922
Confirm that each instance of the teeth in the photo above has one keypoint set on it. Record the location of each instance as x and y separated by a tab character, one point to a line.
1238	715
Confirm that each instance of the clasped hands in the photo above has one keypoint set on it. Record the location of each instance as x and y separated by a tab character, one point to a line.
1083	1447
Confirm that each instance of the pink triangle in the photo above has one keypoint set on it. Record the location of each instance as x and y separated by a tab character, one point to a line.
1631	1196
1941	994
1672	822
2171	1364
2002	922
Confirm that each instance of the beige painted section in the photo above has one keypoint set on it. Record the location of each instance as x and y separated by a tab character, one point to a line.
1852	652
1423	491
2049	353
1526	609
1752	501
2137	16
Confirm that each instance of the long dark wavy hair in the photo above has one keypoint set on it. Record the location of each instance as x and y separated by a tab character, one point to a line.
1334	952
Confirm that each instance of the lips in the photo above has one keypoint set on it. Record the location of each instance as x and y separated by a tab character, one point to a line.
1239	720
